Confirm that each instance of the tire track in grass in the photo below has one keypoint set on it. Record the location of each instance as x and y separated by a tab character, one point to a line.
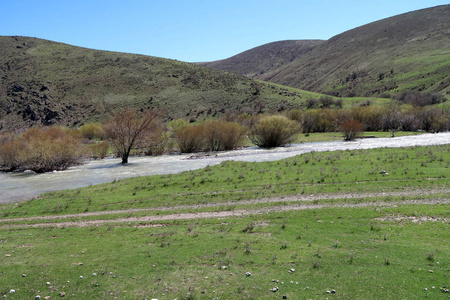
134	221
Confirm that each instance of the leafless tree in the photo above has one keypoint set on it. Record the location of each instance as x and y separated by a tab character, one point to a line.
127	128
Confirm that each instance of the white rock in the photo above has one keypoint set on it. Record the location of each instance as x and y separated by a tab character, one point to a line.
12	291
248	274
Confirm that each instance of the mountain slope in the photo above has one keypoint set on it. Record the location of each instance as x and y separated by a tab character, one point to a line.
43	82
401	53
256	61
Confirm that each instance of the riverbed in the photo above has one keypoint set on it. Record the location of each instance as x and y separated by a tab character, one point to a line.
26	185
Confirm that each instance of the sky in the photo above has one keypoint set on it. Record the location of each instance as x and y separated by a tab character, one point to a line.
192	30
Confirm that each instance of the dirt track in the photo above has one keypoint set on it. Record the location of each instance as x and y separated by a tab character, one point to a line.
297	202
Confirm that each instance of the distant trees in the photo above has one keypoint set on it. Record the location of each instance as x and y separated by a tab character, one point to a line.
57	148
127	128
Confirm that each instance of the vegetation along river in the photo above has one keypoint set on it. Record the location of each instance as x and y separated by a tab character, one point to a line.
23	186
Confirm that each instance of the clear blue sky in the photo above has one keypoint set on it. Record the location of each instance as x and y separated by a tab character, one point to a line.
192	30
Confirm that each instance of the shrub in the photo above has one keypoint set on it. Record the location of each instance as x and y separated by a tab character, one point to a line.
273	131
91	131
351	129
190	138
11	153
420	99
369	116
99	150
42	150
157	143
222	135
320	120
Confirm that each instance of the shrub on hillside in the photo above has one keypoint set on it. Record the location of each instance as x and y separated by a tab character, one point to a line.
273	131
420	99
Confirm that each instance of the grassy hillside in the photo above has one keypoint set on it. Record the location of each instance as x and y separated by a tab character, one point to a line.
319	225
43	82
408	52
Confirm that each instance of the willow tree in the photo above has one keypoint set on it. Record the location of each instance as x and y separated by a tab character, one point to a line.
127	128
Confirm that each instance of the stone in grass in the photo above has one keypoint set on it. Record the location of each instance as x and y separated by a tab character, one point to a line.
11	291
37	297
24	275
275	289
331	292
284	297
62	294
248	274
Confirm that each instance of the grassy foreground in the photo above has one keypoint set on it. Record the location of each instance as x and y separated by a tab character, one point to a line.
364	234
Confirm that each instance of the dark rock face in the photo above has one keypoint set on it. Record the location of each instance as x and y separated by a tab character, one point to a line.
33	102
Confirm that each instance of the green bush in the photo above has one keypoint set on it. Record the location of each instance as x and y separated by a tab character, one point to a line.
99	150
190	138
273	131
222	135
91	131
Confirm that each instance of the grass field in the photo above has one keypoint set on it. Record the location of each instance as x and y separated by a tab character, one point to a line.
366	224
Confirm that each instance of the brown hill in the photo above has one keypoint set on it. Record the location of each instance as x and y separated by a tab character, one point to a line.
401	53
257	61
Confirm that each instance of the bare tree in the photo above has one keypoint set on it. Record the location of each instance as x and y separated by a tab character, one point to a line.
127	128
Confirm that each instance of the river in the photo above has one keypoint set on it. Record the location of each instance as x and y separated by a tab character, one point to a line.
22	186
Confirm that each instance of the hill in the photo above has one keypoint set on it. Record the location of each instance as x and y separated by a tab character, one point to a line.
255	62
402	53
44	82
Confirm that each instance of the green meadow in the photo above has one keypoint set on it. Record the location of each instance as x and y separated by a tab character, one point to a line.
364	224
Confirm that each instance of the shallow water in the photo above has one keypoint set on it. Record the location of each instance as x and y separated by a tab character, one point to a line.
22	186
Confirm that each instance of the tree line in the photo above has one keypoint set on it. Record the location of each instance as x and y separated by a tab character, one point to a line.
130	132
